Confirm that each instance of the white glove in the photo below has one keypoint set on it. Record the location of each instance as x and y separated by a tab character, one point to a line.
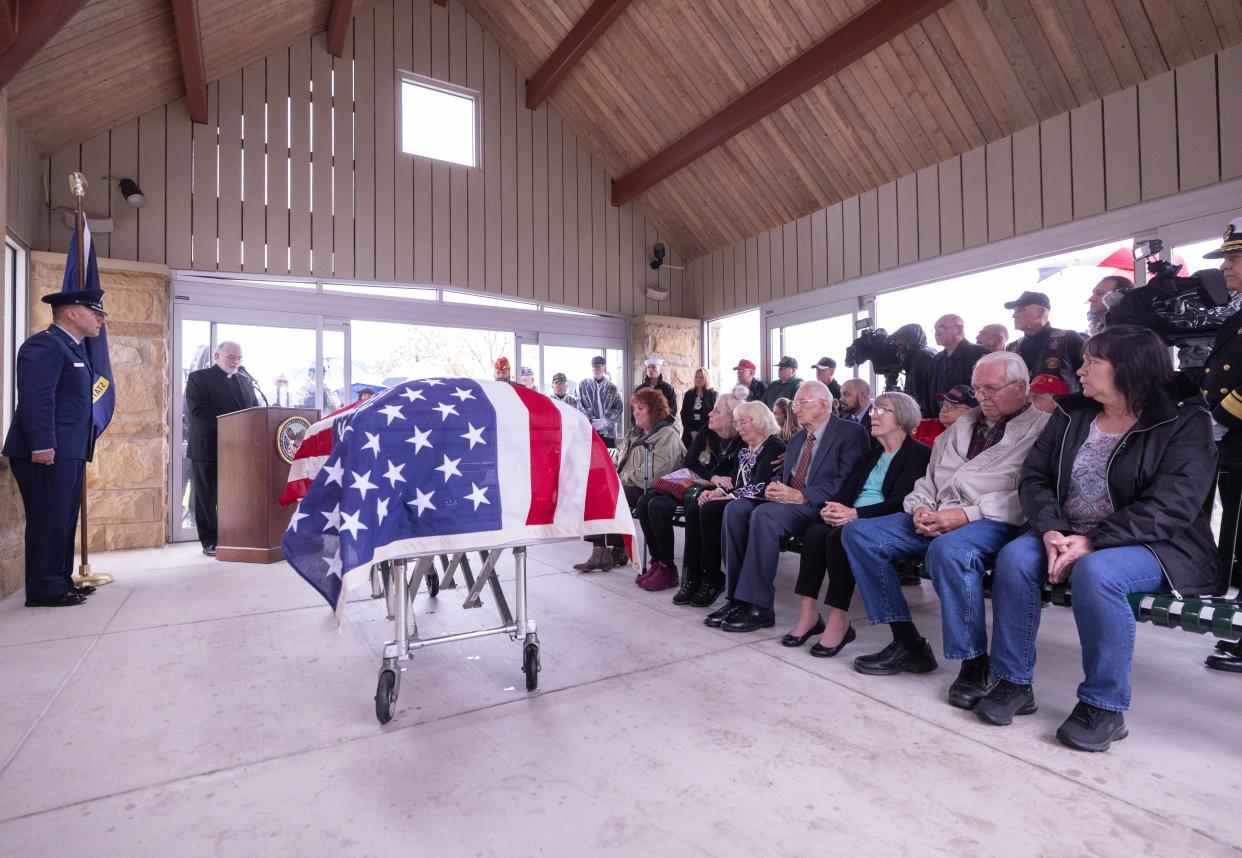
601	425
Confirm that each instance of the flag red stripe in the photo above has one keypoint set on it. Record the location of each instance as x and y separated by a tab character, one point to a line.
319	444
603	487
545	455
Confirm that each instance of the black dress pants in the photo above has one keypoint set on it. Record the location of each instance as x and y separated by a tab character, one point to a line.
52	496
702	558
822	553
203	485
616	540
655	515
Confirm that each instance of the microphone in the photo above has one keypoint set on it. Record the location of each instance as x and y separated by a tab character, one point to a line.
241	370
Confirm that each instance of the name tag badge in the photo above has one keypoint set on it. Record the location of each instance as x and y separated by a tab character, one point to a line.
75	363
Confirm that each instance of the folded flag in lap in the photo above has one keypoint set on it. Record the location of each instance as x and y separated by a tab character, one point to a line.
443	465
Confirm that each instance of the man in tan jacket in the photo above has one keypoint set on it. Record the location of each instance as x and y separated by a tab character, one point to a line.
959	515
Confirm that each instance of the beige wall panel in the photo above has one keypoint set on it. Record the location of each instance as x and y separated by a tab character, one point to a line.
385	145
475	179
178	203
1122	186
230	212
907	220
949	176
299	159
1028	214
492	169
321	157
278	165
1000	189
806	280
752	269
1087	158
64	162
585	225
819	248
1054	145
789	241
526	202
344	184
539	207
423	225
459	182
975	197
556	217
1158	136
741	271
98	203
569	205
204	224
928	180
728	277
364	145
834	230
650	237
600	295
612	246
1229	68
123	163
441	226
404	200
1198	146
510	217
886	200
869	231
763	256
851	240
776	242
254	136
631	265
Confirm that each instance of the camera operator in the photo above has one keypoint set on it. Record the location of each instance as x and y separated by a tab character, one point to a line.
1046	350
1222	388
1098	304
917	361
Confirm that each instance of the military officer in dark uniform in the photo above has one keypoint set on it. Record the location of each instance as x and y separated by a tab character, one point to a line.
1046	350
1222	388
219	389
52	439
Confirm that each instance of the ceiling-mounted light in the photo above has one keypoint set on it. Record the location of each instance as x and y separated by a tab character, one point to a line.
657	293
132	193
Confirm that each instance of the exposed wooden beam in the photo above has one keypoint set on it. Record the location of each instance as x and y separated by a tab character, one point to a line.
441	2
34	23
851	42
190	47
584	34
8	22
338	25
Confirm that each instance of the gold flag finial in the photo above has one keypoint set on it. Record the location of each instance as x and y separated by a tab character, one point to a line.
78	184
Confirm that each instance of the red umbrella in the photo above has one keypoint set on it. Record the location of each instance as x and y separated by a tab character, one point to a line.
1122	259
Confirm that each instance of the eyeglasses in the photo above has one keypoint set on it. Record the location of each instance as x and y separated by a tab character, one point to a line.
802	403
742	422
880	411
989	391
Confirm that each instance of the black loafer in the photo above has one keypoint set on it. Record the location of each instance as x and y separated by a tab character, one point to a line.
84	590
896	658
792	640
1089	728
706	594
64	600
718	616
1004	701
749	618
821	651
973	683
1225	661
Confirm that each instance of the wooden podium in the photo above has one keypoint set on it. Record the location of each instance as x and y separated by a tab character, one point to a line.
252	476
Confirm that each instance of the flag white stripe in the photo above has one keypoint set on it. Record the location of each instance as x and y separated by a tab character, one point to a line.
513	452
576	439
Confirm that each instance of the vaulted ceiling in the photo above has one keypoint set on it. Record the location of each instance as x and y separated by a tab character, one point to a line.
970	73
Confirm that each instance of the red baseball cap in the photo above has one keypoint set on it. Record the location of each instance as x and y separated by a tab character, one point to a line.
1048	384
744	364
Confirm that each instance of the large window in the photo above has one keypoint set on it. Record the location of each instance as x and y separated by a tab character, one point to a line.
387	353
439	120
730	339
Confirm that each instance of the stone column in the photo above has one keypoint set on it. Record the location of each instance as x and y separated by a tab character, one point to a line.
677	340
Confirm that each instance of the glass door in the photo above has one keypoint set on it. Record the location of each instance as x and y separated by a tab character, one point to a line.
807	336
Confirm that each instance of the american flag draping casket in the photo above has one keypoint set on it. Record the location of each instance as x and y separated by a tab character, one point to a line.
443	465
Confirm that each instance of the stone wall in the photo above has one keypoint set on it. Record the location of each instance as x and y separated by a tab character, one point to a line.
677	340
127	484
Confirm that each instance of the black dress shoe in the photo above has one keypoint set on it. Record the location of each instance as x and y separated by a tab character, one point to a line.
972	683
1225	661
718	616
64	600
706	594
1089	728
209	550
820	651
910	579
798	640
1229	647
896	658
84	590
1004	701
686	592
748	618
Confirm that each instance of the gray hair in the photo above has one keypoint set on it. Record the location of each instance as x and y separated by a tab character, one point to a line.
814	386
729	401
221	346
760	416
859	384
1015	366
904	408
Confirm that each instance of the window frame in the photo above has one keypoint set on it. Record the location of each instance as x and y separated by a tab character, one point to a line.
476	98
16	316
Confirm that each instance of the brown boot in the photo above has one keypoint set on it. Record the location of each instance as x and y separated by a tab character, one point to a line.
600	559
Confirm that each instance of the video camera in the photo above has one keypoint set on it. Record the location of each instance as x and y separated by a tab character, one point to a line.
879	347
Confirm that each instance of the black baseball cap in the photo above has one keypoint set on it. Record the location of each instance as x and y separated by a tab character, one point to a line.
786	362
959	395
1028	298
826	363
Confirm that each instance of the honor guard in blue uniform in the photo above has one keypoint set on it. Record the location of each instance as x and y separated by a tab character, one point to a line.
51	440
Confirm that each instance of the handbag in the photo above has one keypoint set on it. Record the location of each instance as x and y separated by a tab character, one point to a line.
676	488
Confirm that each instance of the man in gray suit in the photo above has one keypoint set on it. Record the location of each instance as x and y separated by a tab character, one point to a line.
817	461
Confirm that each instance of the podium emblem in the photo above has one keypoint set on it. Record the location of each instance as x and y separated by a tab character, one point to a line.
289	436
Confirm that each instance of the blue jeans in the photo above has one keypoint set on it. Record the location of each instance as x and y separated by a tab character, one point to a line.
956	562
1099	584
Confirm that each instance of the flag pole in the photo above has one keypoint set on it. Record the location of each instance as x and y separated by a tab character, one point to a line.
78	186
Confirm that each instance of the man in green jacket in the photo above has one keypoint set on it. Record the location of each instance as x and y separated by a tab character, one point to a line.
786	383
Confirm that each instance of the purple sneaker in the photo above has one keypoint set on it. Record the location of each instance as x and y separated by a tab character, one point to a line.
664	578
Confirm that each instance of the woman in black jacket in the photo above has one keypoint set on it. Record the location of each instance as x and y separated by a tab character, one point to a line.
1118	492
696	405
877	486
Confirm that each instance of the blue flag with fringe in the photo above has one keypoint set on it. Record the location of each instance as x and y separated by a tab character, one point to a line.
103	392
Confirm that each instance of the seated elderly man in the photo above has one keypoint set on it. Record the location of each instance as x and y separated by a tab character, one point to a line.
817	461
957	518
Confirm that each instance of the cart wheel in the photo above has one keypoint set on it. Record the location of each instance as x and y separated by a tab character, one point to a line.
433	584
530	665
386	696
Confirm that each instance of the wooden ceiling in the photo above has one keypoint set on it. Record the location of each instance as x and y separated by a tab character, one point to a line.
973	72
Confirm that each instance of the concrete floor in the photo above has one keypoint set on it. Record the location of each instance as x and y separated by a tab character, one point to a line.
204	708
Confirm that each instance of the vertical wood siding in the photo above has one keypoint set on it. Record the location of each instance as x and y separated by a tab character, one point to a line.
1169	134
303	150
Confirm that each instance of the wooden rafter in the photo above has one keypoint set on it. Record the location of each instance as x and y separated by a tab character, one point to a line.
854	40
8	22
584	34
190	47
338	25
31	25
